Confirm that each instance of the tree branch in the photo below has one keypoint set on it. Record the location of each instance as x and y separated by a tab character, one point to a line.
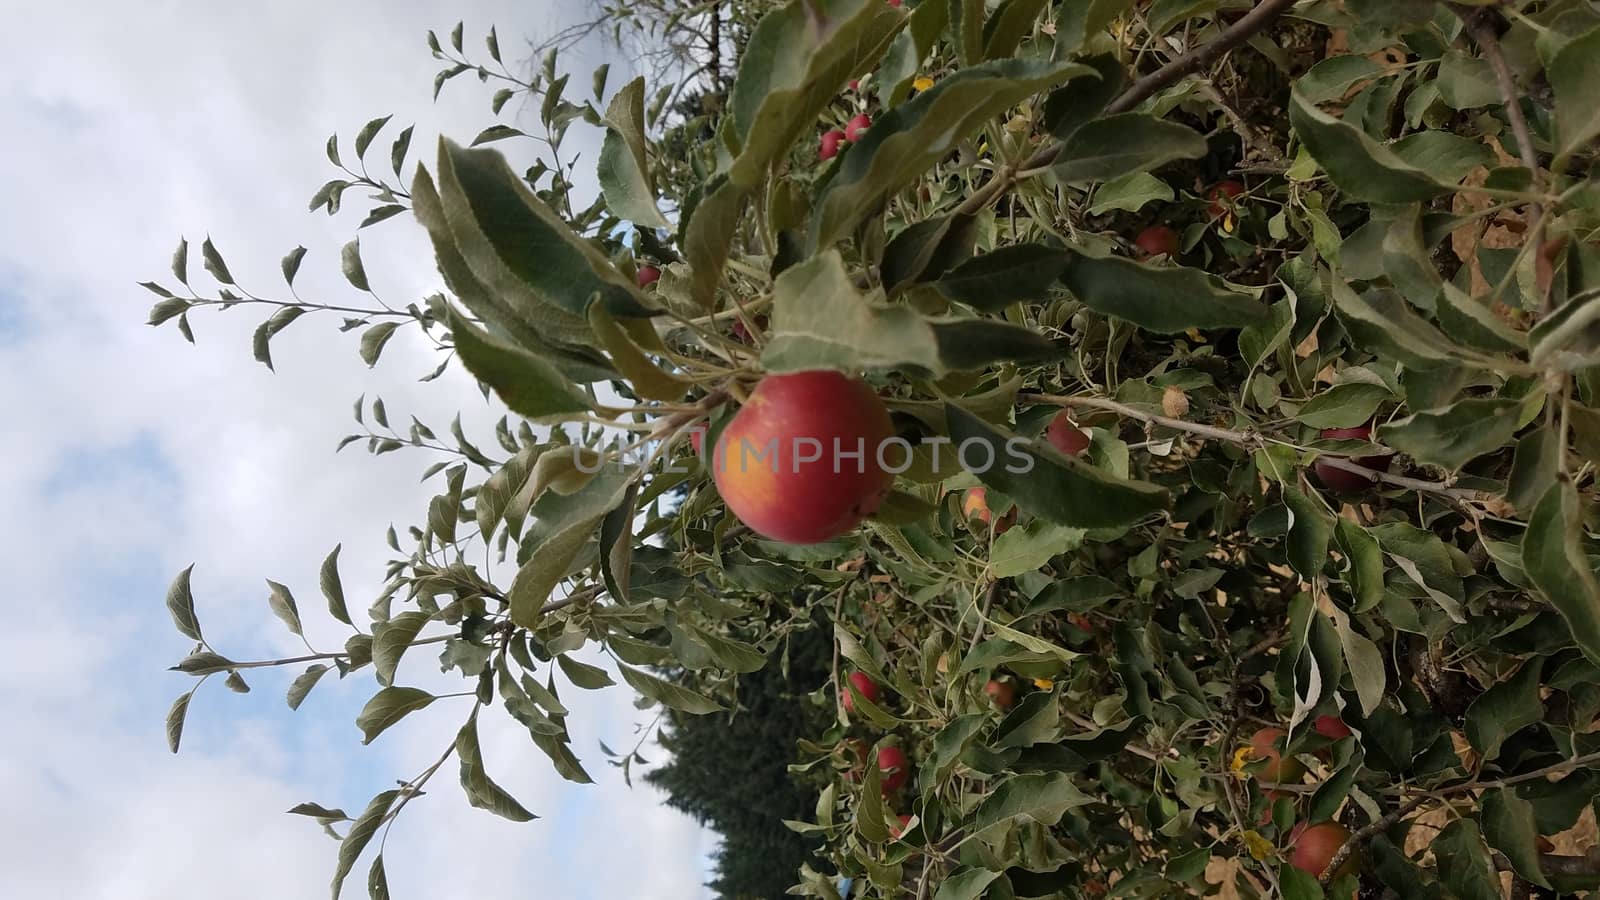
1253	440
1367	831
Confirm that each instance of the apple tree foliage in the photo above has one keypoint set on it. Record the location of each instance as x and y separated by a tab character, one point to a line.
1385	215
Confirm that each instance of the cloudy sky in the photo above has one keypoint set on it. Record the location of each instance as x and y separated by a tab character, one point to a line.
129	454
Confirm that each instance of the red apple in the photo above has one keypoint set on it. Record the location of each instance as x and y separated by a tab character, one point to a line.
975	505
863	683
854	128
1346	482
800	461
1314	847
1157	240
1331	727
1002	693
1221	196
648	275
896	3
895	767
1267	744
898	827
697	439
1064	435
855	84
1272	799
830	144
1081	621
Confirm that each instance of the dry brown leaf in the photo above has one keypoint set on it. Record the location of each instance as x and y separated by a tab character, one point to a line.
1174	402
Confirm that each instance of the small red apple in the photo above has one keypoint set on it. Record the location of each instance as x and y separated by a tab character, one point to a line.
648	275
697	439
1157	240
1342	481
896	3
830	144
854	128
1002	693
1331	727
1314	847
1081	621
898	827
855	84
975	505
1267	744
895	767
1064	435
864	684
1221	196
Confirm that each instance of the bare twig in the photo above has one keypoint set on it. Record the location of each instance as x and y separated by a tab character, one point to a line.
1367	831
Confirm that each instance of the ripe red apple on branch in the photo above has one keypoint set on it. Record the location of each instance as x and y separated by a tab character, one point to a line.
1267	744
1002	693
862	682
1342	480
894	766
1311	849
648	275
830	144
800	461
1065	435
856	127
975	505
1157	240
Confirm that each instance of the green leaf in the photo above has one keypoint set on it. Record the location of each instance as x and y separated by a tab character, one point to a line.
291	264
360	834
203	662
1473	323
374	339
1382	322
966	30
624	171
1466	82
668	694
1298	885
647	379
707	235
1029	547
1470	874
1445	156
283	606
926	251
1533	469
1067	108
582	674
214	263
1364	661
965	884
303	683
1574	75
995	280
1130	193
1332	78
175	718
1553	555
332	588
387	707
1355	162
907	141
377	880
1310	529
616	546
180	261
1504	709
529	385
820	321
1043	798
1166	300
1453	436
1066	491
1364	574
797	57
180	604
1012	22
318	811
1344	405
1509	827
870	818
1124	144
564	524
350	263
236	683
1569	338
368	132
398	150
519	248
495	133
481	790
392	639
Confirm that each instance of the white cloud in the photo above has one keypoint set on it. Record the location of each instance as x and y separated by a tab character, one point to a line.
130	454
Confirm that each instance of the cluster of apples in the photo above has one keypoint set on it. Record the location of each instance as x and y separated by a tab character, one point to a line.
894	768
1311	847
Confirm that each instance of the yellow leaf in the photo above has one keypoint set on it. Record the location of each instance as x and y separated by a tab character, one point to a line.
1228	222
1043	684
1241	758
1260	848
922	83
